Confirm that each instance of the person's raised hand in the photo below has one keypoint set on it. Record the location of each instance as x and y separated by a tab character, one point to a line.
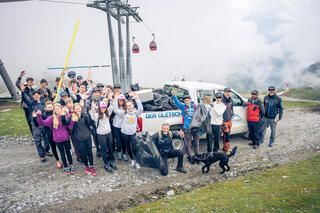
130	93
81	102
39	112
34	114
22	86
181	133
173	92
93	105
22	73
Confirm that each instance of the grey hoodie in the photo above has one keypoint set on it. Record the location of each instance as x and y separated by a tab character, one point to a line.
104	124
118	116
129	119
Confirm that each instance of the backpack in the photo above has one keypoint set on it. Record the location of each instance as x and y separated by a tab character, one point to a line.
186	109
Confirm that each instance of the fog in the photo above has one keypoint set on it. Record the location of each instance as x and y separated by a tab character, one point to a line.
258	42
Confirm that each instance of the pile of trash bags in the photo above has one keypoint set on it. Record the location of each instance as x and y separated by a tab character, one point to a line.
201	119
147	152
162	101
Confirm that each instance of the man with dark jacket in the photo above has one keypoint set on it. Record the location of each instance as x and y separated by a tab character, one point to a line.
255	112
273	108
45	93
163	142
28	90
39	132
227	117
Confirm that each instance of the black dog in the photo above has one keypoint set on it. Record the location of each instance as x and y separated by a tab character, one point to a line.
212	157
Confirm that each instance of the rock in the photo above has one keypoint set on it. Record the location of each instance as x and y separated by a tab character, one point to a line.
246	181
170	192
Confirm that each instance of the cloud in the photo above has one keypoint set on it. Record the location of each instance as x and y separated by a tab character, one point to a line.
268	41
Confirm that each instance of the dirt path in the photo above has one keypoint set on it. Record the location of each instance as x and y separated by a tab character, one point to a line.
28	185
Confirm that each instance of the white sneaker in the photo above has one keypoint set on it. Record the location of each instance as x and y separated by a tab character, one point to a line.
137	166
132	163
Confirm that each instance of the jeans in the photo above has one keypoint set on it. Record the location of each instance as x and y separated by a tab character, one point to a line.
106	144
215	135
39	135
131	144
191	137
121	145
64	148
86	151
173	154
273	125
254	132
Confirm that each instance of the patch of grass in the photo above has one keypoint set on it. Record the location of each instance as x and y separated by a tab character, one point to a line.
299	104
13	123
293	187
305	93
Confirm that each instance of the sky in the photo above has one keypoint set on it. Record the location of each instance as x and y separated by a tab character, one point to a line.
218	41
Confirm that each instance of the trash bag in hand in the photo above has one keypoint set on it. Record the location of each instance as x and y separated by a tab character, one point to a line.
135	87
201	119
147	152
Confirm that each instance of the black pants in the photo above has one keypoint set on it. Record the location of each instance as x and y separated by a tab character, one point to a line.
131	144
254	132
173	154
86	151
96	143
76	148
106	145
53	146
121	145
27	114
215	135
64	148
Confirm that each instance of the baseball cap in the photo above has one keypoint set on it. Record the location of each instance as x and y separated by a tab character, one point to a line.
270	88
100	85
79	77
64	94
71	74
218	95
36	91
186	96
254	92
43	81
96	89
117	86
121	97
103	104
227	89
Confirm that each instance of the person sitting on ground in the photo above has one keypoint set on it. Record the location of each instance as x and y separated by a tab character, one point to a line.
163	142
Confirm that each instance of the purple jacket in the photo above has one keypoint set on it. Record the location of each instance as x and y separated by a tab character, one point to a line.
60	134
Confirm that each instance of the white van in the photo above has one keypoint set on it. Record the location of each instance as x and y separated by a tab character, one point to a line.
151	121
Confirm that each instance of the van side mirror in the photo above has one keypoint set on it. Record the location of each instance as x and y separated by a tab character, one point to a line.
214	99
244	104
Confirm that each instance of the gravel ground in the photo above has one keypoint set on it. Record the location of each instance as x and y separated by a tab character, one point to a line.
30	186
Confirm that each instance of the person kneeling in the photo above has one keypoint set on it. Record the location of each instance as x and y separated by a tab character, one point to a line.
163	141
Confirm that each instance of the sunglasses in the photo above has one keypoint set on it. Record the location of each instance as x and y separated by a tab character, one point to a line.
218	98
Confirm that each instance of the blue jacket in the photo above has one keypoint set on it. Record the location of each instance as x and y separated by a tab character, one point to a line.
273	106
186	111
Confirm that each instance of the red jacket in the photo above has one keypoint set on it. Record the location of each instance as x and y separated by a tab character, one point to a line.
255	110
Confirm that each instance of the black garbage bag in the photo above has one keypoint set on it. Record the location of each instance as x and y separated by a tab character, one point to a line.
147	152
135	87
201	119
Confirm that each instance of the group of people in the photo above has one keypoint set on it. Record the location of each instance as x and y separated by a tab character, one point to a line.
81	113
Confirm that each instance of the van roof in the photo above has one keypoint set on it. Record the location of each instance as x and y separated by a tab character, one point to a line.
191	85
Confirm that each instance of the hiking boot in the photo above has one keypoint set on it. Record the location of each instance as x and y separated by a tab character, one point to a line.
67	171
137	166
49	154
98	154
181	170
271	144
107	168
251	144
132	163
86	170
59	165
93	172
190	160
43	159
256	147
72	170
113	166
119	155
125	157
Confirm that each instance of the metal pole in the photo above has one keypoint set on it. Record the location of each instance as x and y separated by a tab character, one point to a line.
8	82
121	56
114	61
129	67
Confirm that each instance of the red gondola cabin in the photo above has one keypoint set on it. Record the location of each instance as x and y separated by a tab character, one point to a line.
135	48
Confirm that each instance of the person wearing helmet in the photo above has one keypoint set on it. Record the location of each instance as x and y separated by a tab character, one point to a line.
273	114
191	135
227	117
255	112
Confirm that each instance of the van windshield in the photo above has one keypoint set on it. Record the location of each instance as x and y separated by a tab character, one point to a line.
178	91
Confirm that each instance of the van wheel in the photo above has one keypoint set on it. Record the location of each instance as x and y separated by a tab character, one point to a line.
178	144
